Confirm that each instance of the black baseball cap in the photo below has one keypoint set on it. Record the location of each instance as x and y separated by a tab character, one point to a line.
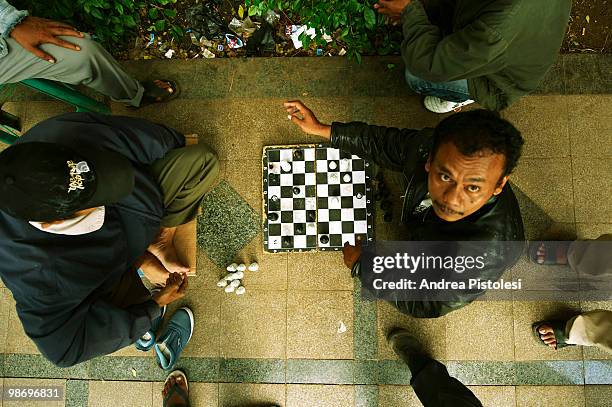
49	181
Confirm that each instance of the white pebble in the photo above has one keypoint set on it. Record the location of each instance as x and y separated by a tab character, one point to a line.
231	276
241	267
222	283
346	178
232	267
236	283
253	267
239	275
240	290
230	289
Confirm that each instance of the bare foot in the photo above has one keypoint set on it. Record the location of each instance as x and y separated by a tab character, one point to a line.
176	398
560	253
547	336
163	248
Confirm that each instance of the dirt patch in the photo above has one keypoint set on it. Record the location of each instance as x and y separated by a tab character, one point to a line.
589	27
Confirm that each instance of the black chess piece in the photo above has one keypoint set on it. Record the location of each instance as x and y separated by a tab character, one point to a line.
298	154
273	216
324	239
286	241
387	217
385	205
299	229
296	190
310	216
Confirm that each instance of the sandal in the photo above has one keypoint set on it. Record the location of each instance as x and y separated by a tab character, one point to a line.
176	389
551	248
155	94
558	328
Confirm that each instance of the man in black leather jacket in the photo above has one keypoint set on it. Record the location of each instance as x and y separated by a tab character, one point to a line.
457	186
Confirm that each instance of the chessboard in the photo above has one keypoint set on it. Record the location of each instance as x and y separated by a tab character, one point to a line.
315	198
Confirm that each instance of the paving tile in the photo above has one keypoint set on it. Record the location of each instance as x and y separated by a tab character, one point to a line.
125	368
379	76
482	373
227	224
16	339
38	111
200	394
365	337
554	81
318	395
592	182
495	396
24	365
547	182
403	112
272	273
6	304
318	271
389	372
590	125
35	383
555	372
598	371
245	333
431	332
320	371
490	336
366	396
119	394
252	370
245	176
243	394
598	396
525	314
77	393
206	307
550	396
314	319
593	352
592	230
587	74
208	273
543	123
199	369
397	396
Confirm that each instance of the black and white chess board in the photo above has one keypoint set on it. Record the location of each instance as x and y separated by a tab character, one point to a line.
315	198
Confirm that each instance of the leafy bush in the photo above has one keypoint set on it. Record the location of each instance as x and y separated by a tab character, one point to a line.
111	21
352	23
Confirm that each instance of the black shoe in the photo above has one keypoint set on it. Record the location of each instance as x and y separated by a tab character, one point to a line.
408	349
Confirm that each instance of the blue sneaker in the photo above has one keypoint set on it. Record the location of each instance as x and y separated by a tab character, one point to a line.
171	343
146	341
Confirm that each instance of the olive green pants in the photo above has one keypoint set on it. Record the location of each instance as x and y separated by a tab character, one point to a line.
185	175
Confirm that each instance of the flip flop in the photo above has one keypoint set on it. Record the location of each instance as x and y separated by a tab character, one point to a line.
176	389
155	94
558	328
550	251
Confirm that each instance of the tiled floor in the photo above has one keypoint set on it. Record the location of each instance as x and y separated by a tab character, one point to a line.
301	335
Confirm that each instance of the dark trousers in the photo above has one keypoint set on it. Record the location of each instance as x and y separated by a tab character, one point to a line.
436	388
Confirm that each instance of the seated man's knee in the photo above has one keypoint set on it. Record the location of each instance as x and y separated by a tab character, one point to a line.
85	58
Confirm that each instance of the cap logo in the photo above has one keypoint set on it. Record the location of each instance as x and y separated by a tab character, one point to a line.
76	169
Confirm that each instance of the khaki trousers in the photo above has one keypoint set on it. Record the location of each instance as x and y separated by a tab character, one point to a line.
593	328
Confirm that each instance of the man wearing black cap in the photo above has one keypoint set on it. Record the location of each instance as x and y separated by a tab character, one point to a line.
85	201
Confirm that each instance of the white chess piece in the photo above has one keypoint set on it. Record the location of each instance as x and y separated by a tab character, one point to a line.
333	176
332	165
230	277
241	267
235	283
346	178
222	283
285	165
344	164
239	275
232	267
253	266
229	289
240	290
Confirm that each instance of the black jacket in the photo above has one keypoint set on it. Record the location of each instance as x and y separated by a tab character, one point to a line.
406	150
58	281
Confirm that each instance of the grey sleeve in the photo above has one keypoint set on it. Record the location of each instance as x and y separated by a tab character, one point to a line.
9	18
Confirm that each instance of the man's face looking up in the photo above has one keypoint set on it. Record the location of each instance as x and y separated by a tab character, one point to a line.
460	185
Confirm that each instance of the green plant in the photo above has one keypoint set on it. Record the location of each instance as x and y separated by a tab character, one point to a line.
351	23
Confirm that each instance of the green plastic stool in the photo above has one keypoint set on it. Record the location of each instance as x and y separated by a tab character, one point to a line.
10	124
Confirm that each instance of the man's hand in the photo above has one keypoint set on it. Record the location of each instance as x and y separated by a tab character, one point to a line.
33	32
391	8
352	253
175	288
308	122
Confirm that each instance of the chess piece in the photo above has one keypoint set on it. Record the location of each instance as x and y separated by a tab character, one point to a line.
333	176
285	166
286	241
346	178
240	290
231	276
235	283
334	199
359	195
298	154
344	164
253	267
222	283
296	190
388	217
324	239
273	216
299	229
310	216
239	275
332	165
241	267
274	198
232	267
229	289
